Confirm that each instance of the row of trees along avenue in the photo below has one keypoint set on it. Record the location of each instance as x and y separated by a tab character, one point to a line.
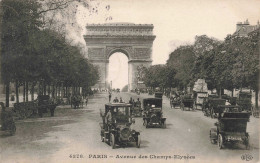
229	64
36	56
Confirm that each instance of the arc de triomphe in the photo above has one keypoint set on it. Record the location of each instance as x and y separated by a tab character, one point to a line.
134	40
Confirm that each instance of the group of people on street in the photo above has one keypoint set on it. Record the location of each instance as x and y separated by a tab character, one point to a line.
78	100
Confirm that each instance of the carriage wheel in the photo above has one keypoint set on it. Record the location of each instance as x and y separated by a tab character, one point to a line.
138	142
220	141
112	141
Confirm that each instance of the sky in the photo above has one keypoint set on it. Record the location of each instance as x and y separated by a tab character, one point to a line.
176	22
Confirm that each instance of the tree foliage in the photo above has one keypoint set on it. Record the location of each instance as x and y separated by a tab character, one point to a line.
31	53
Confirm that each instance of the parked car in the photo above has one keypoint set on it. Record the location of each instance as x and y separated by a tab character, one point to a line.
187	102
153	114
230	128
118	131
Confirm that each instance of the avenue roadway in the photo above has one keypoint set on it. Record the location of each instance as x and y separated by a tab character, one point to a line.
77	132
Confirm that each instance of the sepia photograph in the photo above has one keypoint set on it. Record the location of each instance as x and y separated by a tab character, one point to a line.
134	81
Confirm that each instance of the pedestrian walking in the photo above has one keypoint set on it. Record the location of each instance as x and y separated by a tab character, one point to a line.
86	101
109	96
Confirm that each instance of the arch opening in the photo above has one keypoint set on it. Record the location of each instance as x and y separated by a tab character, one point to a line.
118	70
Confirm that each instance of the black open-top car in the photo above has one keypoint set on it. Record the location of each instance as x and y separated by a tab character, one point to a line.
231	126
115	128
152	113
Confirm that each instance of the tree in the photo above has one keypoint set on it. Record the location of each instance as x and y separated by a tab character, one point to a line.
20	19
159	76
182	60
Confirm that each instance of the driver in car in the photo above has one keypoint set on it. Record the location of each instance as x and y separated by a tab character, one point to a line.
108	118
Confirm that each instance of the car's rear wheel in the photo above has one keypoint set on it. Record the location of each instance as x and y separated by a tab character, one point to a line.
112	141
102	137
138	142
220	141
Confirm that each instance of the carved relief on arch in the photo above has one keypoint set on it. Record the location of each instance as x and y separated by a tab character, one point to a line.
142	53
96	53
127	50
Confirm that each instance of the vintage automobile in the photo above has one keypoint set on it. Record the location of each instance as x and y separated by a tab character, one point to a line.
210	104
7	124
137	109
150	92
199	98
187	102
118	131
231	127
158	94
152	113
244	100
175	101
213	106
45	103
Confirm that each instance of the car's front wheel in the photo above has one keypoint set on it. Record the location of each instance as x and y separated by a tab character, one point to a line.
112	141
220	141
138	142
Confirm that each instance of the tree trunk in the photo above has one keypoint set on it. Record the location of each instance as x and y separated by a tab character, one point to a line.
53	91
26	91
49	90
56	91
256	98
7	92
44	88
232	95
32	93
17	91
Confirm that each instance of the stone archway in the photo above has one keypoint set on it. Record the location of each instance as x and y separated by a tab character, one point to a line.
133	40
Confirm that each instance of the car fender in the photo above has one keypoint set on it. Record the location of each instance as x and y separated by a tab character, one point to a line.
163	120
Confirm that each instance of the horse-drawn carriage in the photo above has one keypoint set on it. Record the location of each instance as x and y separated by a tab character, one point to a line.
76	100
117	130
231	127
45	103
187	102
